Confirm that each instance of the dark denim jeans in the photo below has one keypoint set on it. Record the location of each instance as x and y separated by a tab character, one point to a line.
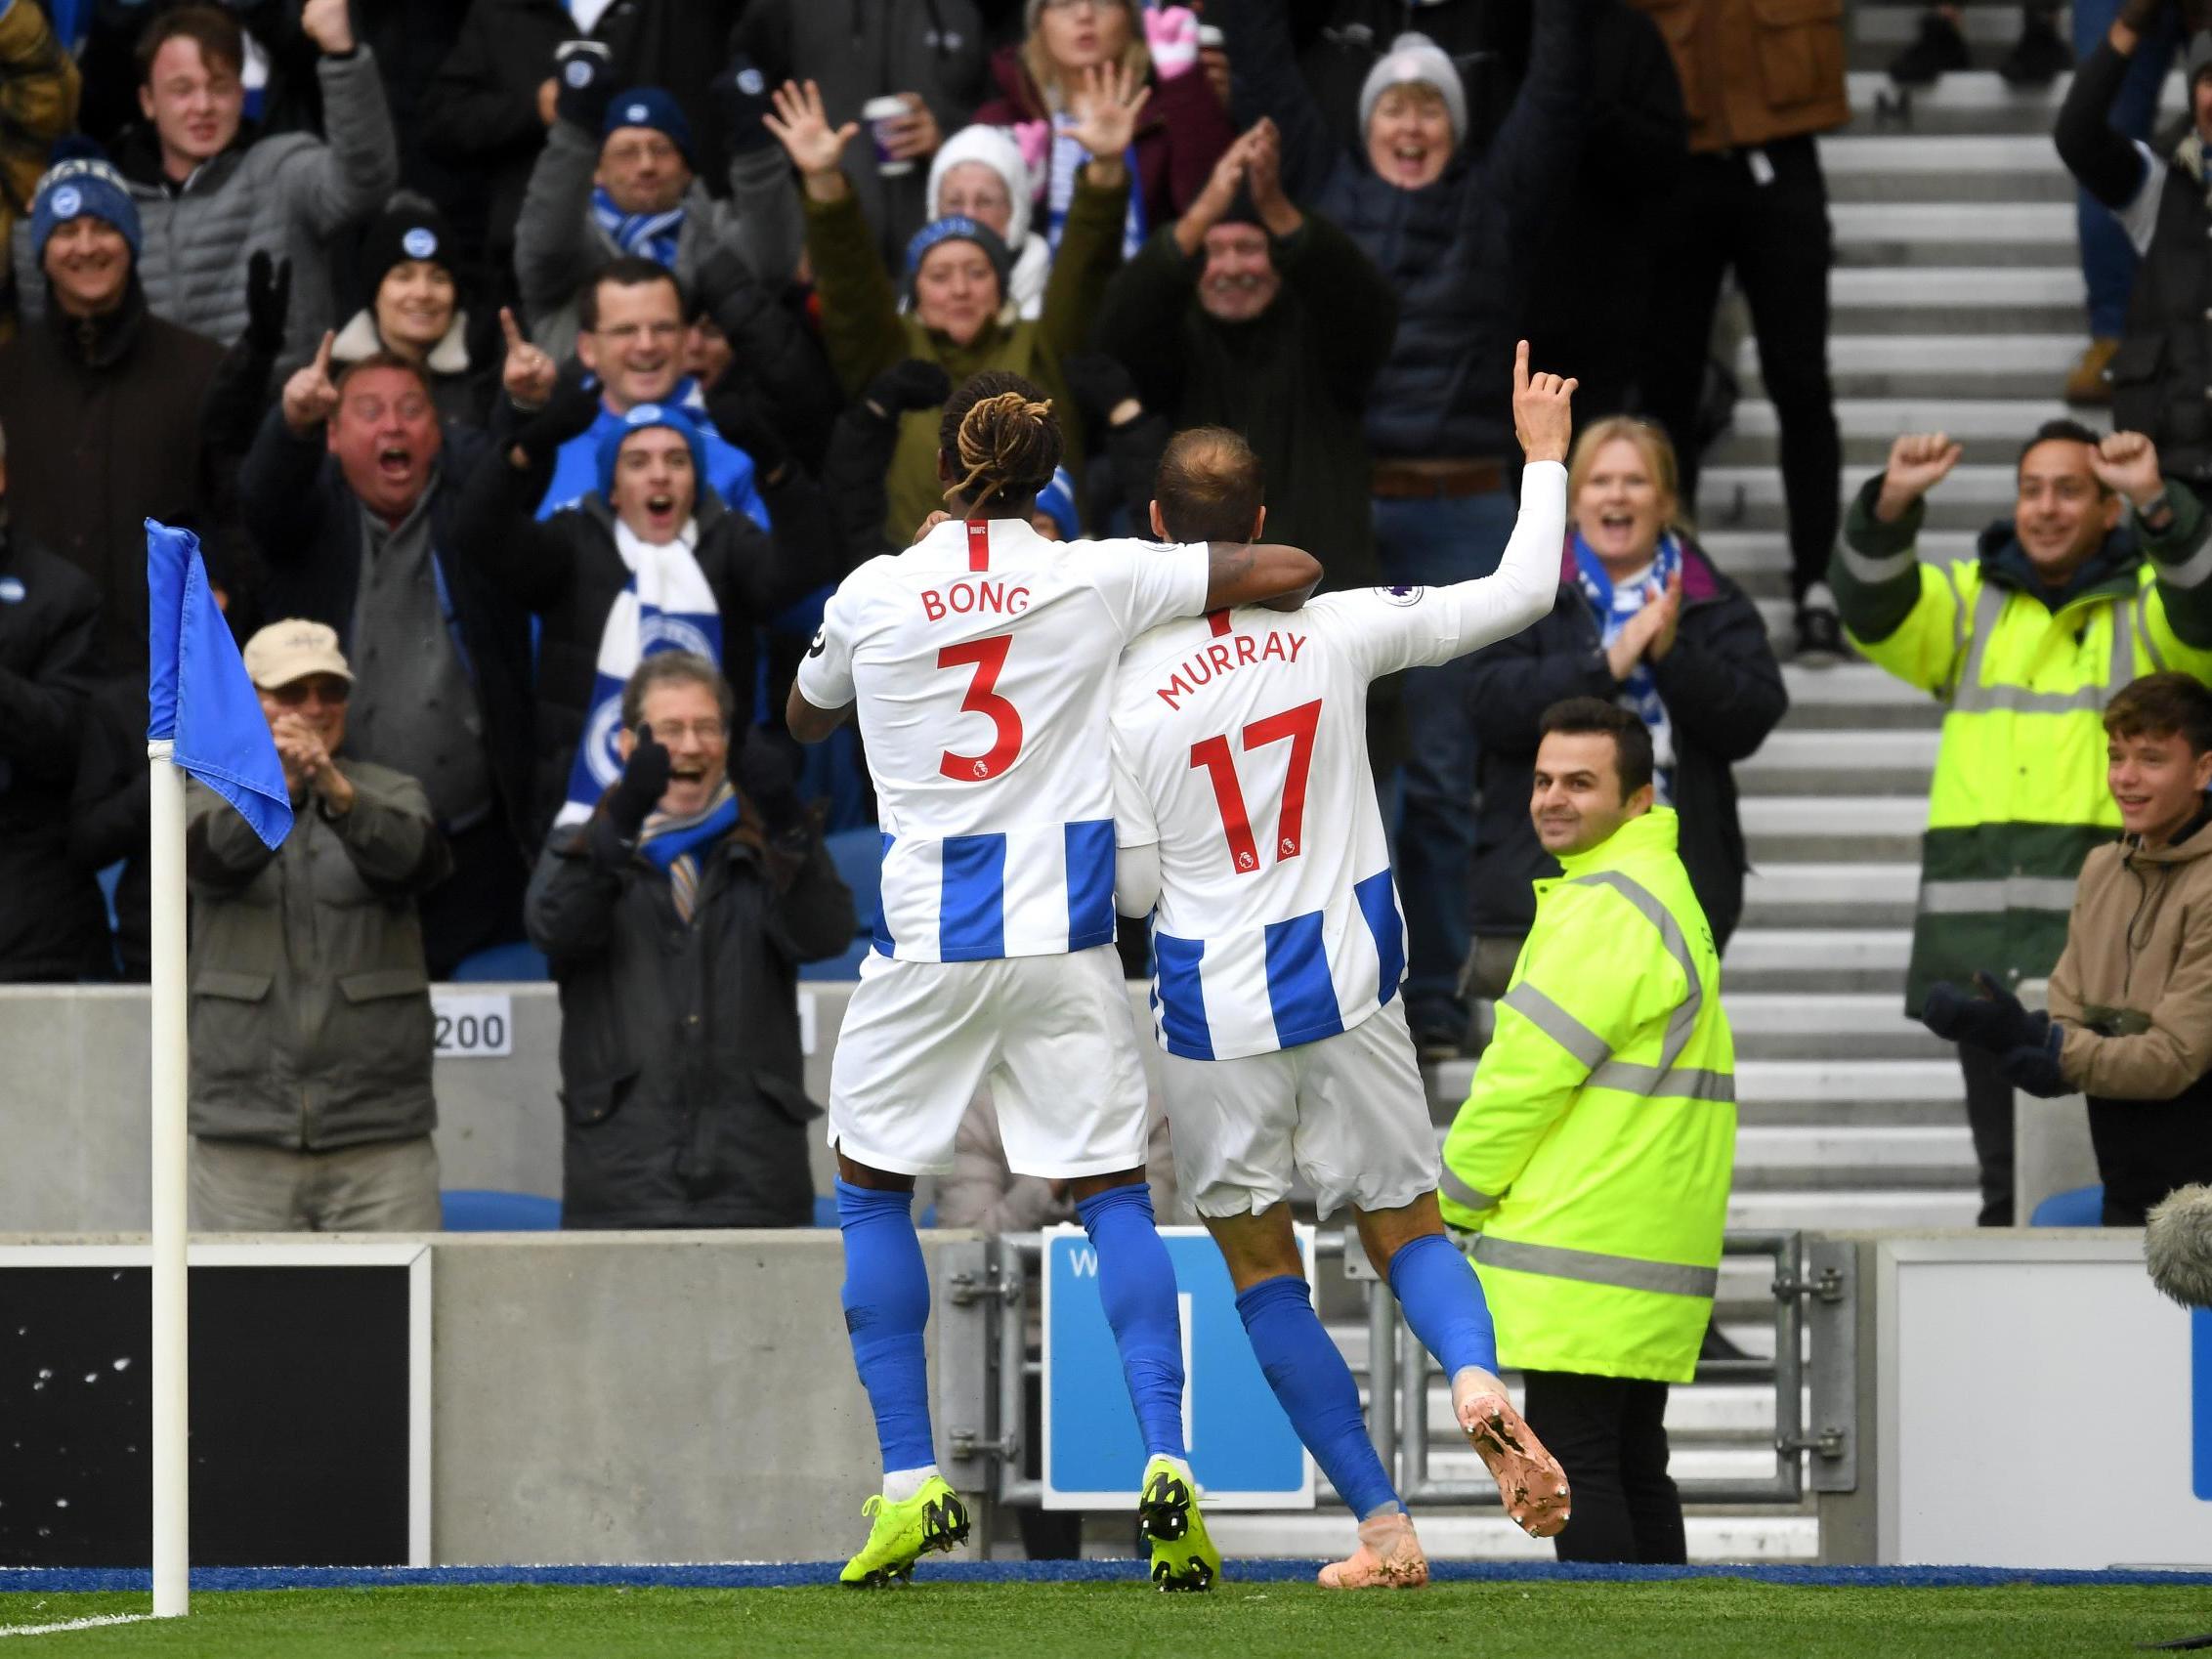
2107	257
1434	543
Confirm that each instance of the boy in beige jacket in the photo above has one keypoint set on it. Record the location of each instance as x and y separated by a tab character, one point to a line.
2130	1021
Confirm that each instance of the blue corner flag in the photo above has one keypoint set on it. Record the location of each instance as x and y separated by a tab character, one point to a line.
197	692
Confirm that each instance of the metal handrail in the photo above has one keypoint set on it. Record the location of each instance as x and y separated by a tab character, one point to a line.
1398	1372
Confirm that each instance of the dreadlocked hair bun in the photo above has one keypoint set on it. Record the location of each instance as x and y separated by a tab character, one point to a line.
1001	431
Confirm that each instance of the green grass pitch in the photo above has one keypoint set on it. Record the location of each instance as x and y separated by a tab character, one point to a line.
1698	1619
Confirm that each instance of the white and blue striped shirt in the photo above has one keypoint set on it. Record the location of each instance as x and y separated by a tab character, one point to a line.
981	661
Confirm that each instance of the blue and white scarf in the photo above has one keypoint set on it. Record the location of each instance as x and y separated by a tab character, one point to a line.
1067	159
649	235
1612	606
665	606
676	845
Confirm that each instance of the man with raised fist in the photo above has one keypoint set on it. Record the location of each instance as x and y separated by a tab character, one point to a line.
2098	577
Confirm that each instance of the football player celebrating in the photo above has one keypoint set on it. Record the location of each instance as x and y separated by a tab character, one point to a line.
1248	816
980	663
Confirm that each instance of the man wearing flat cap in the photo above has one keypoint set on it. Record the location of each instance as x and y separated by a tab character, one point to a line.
311	1027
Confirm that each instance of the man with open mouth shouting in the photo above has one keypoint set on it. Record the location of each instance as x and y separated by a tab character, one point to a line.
649	559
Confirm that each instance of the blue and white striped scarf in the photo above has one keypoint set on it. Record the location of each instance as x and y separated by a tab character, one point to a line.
1066	162
666	604
649	235
1612	607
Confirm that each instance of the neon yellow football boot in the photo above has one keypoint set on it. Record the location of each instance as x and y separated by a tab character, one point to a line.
1168	1521
933	1518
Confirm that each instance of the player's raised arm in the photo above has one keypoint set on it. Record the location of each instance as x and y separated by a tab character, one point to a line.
1527	583
1260	573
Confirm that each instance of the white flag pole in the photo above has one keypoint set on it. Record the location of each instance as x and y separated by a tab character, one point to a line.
170	1369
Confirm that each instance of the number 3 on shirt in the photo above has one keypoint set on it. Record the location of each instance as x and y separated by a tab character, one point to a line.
988	657
1296	724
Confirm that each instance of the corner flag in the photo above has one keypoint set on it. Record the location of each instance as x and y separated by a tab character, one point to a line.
197	692
204	718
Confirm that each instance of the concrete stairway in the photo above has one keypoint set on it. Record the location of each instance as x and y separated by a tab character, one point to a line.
1957	303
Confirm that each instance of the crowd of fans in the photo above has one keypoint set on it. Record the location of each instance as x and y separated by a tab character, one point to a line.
499	352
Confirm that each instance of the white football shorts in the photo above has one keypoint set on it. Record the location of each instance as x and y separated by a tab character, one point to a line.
1349	1113
1055	1034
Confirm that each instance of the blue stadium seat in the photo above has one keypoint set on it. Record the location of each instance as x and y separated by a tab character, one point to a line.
110	878
2084	1206
496	963
476	1210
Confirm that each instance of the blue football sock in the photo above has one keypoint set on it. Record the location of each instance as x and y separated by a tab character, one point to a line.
1310	1379
1137	1282
1444	1304
887	1297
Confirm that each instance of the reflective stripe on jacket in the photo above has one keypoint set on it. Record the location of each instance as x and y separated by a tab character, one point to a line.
1596	1147
2019	797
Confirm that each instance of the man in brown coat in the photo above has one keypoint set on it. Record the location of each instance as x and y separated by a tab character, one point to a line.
2130	1021
1753	200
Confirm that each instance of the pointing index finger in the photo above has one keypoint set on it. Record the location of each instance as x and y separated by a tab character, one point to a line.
1520	366
322	354
510	327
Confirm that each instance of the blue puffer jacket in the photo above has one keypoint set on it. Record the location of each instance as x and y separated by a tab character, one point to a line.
1459	252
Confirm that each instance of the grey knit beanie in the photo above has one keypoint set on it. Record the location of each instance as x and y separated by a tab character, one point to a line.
1418	58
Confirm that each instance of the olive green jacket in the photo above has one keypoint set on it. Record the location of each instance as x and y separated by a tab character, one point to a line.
311	1023
866	332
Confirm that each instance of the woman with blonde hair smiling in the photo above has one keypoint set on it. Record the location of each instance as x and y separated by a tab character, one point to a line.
1041	88
1642	619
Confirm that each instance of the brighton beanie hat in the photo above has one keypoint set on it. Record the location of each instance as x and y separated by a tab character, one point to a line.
82	181
654	107
960	227
1057	502
1414	58
643	418
409	227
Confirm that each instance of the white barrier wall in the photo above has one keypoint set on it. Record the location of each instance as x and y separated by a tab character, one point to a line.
74	1072
2039	1405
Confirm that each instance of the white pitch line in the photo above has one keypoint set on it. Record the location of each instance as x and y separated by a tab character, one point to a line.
76	1623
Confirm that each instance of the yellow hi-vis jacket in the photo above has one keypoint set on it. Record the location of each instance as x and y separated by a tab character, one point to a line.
2018	798
1595	1150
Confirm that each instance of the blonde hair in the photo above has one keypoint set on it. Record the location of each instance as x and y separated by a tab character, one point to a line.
1000	428
1652	442
1045	75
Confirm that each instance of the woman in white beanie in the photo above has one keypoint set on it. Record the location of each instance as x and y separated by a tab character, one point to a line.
1454	235
979	172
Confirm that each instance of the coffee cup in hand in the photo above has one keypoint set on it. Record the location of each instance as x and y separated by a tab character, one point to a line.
877	112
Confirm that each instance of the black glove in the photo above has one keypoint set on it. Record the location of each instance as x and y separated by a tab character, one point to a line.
1990	1017
741	98
1100	384
2034	1067
644	781
766	777
916	384
584	71
569	413
269	302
